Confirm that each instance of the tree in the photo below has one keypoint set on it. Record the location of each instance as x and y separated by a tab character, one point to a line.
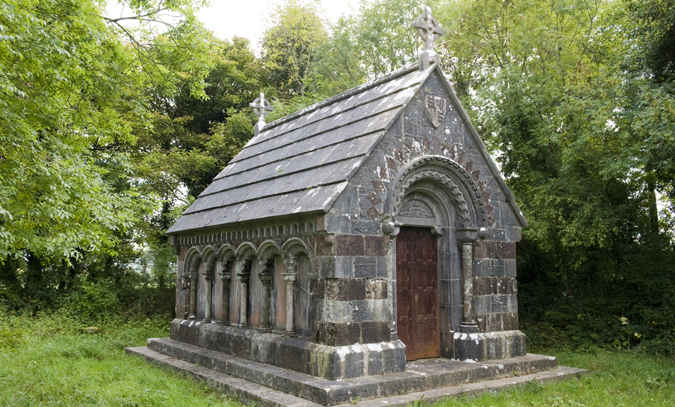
380	39
291	47
72	91
544	83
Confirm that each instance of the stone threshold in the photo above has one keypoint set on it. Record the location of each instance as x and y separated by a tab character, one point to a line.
249	379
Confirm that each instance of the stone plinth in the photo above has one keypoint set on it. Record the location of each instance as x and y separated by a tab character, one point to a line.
300	355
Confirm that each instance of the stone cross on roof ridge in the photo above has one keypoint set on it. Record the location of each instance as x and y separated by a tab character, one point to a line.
262	107
429	30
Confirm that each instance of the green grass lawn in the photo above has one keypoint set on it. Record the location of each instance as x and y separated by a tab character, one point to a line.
615	379
51	360
54	361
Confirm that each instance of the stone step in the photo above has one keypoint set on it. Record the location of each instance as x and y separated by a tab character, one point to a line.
248	391
471	389
419	376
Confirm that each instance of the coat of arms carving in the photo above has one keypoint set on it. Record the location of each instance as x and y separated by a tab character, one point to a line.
435	108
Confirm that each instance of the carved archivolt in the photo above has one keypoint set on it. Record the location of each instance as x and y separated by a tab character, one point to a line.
428	168
245	254
457	195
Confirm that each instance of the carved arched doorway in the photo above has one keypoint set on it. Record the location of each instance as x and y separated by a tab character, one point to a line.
432	202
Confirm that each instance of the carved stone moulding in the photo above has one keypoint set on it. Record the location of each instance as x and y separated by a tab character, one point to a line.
253	232
451	175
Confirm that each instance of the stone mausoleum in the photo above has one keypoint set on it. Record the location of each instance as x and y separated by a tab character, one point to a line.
355	236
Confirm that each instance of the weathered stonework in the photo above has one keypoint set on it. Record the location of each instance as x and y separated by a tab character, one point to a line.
295	250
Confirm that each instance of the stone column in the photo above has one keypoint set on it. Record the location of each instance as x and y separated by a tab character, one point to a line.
466	237
209	299
209	266
266	278
243	276
392	229
289	278
194	273
225	278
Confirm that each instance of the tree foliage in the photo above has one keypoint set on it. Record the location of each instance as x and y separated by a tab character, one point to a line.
585	145
291	47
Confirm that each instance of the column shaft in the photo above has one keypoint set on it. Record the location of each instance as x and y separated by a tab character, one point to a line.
225	318
467	275
289	278
209	301
243	305
193	297
267	299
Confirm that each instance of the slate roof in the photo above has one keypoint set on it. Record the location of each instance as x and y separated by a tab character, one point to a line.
301	163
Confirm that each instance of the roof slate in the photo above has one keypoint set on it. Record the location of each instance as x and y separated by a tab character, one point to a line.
301	163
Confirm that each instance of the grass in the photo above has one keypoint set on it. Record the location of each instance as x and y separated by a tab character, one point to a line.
51	360
615	378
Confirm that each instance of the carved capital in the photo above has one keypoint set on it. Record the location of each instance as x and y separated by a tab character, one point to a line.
243	277
267	256
467	236
289	277
245	268
210	266
226	269
290	264
292	256
184	282
268	266
194	266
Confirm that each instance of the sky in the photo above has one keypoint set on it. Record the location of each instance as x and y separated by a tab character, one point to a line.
246	18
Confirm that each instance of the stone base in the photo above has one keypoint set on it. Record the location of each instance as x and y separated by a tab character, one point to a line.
276	386
477	347
301	355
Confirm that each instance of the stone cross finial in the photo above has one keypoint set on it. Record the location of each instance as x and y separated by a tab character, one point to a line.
428	28
262	108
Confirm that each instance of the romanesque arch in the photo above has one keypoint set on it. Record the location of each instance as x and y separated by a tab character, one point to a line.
269	255
298	280
435	194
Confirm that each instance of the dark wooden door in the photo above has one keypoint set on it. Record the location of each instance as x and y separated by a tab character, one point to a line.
417	292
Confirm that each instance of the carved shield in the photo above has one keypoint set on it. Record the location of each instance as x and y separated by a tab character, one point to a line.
435	109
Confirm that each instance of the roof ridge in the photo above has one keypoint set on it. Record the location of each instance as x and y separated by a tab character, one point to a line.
340	96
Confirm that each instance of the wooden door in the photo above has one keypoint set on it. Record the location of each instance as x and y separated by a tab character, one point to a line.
417	292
